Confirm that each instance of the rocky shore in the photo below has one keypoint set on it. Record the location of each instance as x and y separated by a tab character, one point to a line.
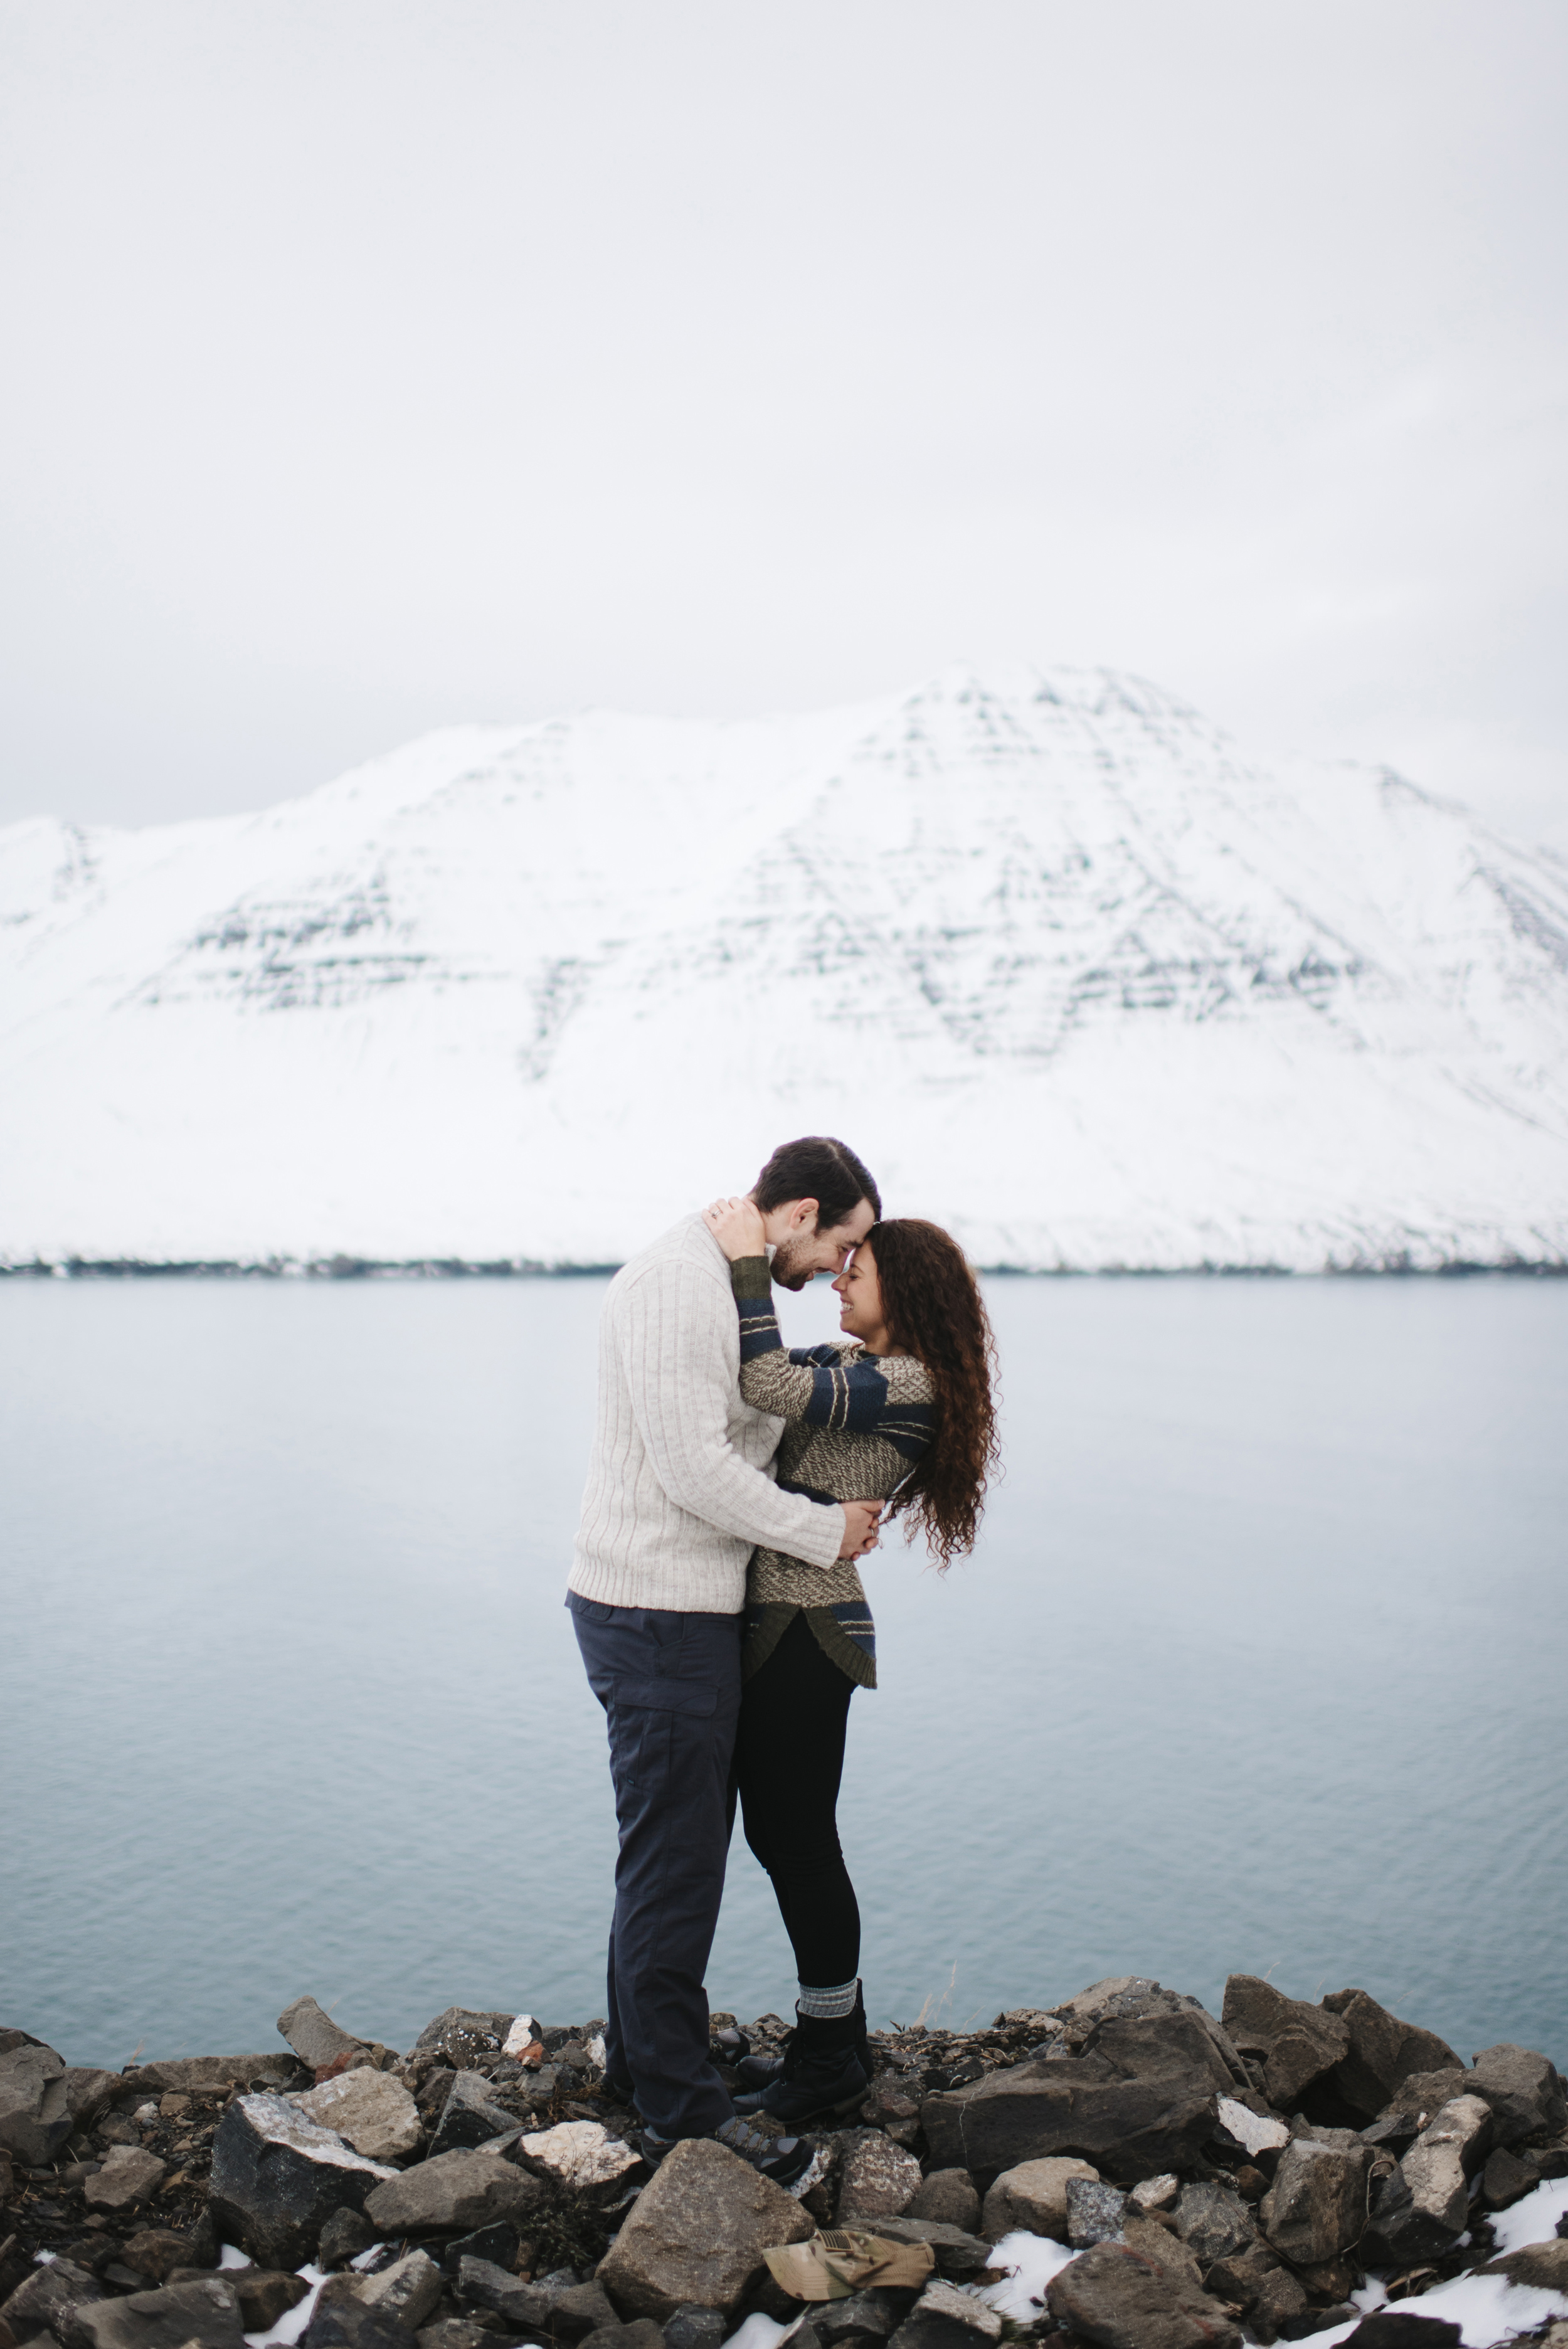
1124	2169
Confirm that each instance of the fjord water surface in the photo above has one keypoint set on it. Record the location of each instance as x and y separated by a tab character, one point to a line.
1261	1665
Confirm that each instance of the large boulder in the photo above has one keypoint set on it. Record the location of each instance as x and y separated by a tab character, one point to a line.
1033	2197
276	2177
1524	2090
1296	2044
369	2110
697	2232
1317	2207
1139	2099
1383	2052
454	2192
35	2115
1143	2296
205	2311
1421	2209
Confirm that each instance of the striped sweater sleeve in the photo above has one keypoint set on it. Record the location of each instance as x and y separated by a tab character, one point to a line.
814	1384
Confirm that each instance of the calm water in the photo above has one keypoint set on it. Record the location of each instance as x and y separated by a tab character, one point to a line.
1262	1665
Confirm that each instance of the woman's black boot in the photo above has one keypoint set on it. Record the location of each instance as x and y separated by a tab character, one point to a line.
822	2071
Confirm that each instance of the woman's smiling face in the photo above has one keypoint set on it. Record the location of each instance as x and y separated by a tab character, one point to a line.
860	1298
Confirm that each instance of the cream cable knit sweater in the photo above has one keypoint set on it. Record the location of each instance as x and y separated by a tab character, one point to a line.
680	1484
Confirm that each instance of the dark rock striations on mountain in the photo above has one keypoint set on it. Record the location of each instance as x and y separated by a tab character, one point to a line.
1204	2181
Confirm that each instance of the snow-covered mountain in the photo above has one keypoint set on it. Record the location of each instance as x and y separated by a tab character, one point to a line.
1071	977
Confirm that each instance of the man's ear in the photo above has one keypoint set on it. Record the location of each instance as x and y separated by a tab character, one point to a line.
803	1213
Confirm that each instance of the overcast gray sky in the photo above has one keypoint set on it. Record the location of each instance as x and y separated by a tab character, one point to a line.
375	364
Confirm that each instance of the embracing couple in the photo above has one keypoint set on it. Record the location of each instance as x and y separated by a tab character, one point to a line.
721	1615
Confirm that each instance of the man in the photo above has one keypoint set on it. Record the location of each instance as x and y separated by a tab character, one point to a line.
680	1490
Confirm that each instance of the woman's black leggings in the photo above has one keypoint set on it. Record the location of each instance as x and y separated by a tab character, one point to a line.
788	1759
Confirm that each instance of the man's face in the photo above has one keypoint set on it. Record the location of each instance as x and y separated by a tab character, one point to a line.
802	1255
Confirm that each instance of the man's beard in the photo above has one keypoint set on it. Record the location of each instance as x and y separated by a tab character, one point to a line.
792	1266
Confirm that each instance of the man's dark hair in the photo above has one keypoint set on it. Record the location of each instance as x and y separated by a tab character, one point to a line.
817	1168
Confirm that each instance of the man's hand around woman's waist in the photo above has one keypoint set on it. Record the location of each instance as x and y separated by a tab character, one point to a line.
860	1528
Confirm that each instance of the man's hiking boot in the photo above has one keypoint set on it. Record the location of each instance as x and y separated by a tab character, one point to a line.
782	2158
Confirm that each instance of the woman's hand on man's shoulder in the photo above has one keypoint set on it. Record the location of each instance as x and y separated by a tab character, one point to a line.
736	1226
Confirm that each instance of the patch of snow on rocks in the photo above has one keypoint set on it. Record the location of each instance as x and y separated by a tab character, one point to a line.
292	2321
1532	2219
1031	2262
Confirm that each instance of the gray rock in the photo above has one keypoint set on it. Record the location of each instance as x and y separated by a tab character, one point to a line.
641	2333
1095	2212
871	2315
1034	2197
579	2309
1245	2278
156	2250
1392	2328
1212	2222
1383	2052
483	2284
696	2328
470	2117
949	2195
1296	2043
1127	2298
1156	2193
465	2035
1507	2179
344	2236
941	2305
1543	2266
88	2092
1423	2207
276	2179
49	2298
409	2289
35	2115
1139	2099
457	2332
454	2190
958	2256
344	2321
1525	2092
206	2312
1317	2207
496	2244
187	2075
264	2294
315	2037
130	2176
697	2232
877	2179
369	2110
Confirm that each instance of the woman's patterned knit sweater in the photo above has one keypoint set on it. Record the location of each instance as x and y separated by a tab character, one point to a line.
857	1424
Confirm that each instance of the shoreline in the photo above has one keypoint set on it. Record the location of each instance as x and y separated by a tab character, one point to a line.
347	1267
1124	2169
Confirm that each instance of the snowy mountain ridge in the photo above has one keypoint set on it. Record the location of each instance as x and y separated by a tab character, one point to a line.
1075	980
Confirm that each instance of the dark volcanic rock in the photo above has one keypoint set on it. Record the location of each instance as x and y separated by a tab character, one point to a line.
1399	2328
469	2116
697	2328
49	2298
1296	2043
464	2036
1421	2209
1317	2207
871	2315
344	2236
1212	2222
1139	2099
1129	2299
1383	2052
1524	2090
276	2179
206	2312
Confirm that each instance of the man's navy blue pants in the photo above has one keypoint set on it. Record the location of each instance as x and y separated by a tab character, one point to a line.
670	1687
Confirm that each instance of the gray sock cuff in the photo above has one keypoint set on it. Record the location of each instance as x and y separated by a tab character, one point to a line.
829	2001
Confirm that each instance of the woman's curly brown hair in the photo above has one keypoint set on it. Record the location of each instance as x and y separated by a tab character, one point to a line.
934	1310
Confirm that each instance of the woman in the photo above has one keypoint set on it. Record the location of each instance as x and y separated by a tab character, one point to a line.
900	1410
